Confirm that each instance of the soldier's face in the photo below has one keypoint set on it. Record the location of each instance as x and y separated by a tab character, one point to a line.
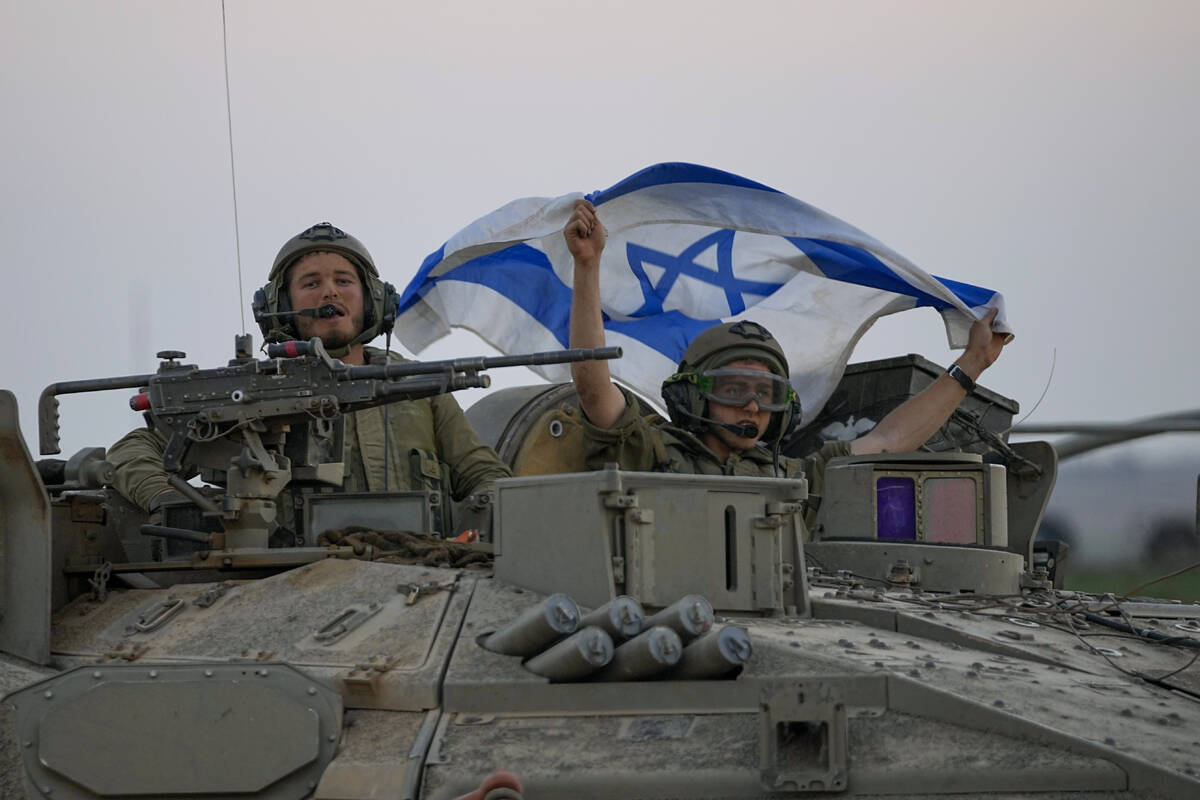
320	278
747	414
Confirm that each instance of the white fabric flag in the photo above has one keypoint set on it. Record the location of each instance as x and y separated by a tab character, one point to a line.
688	247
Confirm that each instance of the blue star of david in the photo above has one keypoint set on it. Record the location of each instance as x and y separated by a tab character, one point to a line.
675	266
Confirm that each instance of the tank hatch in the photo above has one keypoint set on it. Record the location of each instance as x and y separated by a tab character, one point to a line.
153	731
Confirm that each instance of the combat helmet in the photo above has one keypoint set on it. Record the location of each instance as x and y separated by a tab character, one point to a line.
684	392
379	297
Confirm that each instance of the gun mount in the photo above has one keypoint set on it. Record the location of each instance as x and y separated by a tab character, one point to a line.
238	419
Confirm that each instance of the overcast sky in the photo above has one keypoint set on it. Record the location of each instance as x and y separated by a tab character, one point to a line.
1044	149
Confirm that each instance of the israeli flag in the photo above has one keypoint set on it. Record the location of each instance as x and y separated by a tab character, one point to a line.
688	247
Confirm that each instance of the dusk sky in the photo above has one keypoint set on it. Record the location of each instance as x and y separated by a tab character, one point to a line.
1044	149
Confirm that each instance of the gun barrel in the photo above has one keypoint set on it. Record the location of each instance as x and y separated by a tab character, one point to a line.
553	357
428	385
480	363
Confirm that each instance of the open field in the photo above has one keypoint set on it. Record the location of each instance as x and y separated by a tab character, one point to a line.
1185	587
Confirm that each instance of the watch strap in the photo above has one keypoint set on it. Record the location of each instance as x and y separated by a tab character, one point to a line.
964	380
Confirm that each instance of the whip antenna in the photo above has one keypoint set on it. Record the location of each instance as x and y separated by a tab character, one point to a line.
1049	378
237	234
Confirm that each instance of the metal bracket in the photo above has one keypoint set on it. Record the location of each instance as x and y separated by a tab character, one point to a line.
99	582
1037	578
363	679
618	569
802	745
157	616
349	619
413	591
213	594
621	500
128	651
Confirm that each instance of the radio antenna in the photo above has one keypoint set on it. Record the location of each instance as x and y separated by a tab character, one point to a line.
237	234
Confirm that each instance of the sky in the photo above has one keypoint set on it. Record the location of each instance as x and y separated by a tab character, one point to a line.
1043	149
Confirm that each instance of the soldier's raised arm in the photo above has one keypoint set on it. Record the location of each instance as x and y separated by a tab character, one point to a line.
599	398
908	426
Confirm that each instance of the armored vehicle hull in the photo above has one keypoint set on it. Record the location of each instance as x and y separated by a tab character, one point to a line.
617	635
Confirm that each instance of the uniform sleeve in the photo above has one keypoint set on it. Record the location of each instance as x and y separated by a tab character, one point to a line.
138	463
473	465
633	442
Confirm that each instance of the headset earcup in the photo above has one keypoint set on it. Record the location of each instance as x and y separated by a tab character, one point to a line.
259	307
678	397
273	327
283	302
783	423
789	425
391	307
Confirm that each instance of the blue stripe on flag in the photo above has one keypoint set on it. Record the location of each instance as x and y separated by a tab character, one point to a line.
845	262
524	276
973	296
674	172
668	333
418	286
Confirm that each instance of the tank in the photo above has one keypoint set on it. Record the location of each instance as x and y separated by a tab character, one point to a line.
593	634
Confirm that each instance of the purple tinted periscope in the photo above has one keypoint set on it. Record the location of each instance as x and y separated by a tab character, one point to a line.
896	508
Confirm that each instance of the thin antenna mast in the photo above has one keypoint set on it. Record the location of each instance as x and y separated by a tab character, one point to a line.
237	234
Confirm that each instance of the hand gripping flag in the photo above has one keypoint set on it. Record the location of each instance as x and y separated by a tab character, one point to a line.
688	247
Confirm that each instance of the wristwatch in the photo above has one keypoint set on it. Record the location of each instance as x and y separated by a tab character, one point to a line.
964	380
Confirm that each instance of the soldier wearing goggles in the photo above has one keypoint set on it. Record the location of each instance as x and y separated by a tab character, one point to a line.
730	400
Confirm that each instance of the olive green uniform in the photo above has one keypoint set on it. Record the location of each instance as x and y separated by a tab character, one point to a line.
648	443
432	446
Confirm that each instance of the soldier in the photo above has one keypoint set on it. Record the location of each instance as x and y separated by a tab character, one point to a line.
729	401
430	444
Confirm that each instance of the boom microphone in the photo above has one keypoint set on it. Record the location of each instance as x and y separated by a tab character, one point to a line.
321	312
747	431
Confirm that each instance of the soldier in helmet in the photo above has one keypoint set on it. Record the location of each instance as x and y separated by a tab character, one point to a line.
730	400
429	443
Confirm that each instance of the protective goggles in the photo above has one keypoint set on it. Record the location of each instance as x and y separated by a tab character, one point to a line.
735	387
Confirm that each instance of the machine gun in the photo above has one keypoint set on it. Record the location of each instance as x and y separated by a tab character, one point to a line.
238	418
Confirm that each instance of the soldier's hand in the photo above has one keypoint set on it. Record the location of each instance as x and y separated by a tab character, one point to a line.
585	234
983	344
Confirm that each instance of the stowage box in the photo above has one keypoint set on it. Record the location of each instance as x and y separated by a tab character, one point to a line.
735	541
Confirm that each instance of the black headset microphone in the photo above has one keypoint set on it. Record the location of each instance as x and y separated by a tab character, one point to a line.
747	431
321	312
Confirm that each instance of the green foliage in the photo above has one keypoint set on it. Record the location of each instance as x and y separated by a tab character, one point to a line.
1185	587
